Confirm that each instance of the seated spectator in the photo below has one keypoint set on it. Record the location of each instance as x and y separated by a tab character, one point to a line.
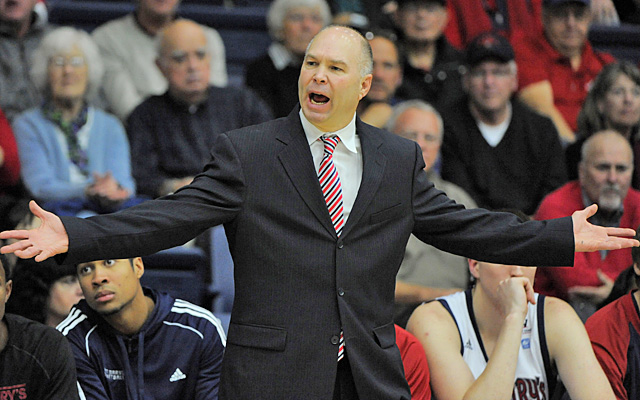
128	48
74	157
470	18
171	134
414	361
426	272
11	188
613	102
44	292
614	331
21	30
604	178
128	340
556	68
501	152
433	68
35	360
500	340
274	76
376	107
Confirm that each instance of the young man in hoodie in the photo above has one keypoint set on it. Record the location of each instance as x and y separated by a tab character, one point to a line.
131	342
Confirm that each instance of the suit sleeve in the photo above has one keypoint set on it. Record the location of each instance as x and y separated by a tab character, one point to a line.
214	197
483	235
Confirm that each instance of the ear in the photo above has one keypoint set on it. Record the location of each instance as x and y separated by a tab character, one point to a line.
8	287
600	107
138	267
636	268
473	268
581	171
365	86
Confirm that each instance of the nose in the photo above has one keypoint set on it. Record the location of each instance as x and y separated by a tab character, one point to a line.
99	276
320	76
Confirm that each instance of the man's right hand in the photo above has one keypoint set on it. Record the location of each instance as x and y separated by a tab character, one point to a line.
49	239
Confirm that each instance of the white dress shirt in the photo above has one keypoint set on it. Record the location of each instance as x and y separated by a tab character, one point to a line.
347	158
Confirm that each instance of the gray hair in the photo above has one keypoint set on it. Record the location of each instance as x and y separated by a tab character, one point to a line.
421	105
279	9
365	64
62	40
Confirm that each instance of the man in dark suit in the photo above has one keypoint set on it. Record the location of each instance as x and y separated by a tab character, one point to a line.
303	278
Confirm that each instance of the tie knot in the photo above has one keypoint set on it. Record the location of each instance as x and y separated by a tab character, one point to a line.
330	143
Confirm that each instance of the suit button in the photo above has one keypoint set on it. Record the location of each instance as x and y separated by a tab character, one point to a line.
340	292
340	244
335	339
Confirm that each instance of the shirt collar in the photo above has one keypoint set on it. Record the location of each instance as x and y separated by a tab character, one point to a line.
347	134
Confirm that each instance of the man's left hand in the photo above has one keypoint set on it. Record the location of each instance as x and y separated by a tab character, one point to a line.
589	237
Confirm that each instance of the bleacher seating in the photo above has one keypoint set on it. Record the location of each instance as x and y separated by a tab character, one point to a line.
622	42
179	271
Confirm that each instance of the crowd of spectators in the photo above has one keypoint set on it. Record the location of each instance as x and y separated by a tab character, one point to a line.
510	103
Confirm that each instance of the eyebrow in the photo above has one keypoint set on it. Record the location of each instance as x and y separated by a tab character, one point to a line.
332	61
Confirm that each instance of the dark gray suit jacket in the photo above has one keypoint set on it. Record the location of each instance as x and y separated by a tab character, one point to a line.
296	283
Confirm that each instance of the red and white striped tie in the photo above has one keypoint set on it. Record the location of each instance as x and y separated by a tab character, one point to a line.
332	191
330	183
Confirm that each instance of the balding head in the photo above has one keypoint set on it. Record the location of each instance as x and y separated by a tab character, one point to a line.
184	59
606	169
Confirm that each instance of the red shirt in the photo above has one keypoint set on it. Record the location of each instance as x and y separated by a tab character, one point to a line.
469	18
414	360
538	61
10	168
555	281
615	336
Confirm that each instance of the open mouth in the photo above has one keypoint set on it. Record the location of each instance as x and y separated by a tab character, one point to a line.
317	98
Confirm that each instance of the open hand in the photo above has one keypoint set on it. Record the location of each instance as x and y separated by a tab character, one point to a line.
589	237
49	239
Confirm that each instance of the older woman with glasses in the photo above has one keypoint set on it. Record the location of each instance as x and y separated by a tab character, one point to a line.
612	103
74	156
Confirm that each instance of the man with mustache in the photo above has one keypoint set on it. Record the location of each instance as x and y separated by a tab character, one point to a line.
130	341
170	134
605	173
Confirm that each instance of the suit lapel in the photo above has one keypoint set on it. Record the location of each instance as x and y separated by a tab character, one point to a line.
373	161
298	163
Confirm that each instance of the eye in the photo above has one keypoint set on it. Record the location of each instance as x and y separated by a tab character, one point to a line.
335	68
109	263
84	270
201	54
311	63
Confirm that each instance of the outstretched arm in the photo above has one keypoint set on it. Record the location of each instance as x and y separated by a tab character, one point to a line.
589	237
43	242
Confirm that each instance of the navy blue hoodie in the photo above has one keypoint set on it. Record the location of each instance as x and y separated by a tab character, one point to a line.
176	355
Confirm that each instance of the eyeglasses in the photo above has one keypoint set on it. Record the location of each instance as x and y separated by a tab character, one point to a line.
73	61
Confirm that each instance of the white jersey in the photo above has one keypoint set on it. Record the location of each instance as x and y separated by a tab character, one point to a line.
534	379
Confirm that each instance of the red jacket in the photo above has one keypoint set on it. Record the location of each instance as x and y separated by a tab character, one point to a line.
556	281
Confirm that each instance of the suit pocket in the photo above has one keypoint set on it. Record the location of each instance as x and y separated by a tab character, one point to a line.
261	337
385	335
386	214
